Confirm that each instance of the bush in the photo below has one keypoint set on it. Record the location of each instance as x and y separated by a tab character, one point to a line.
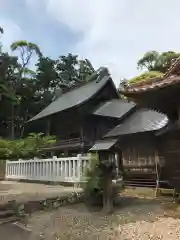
4	149
145	77
93	188
26	148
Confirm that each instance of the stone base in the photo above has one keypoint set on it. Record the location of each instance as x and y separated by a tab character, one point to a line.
25	208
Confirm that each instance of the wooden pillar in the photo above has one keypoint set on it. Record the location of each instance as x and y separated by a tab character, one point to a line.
66	153
82	138
178	116
52	153
108	187
48	127
108	193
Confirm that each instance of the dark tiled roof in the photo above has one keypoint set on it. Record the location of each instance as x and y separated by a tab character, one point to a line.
171	77
73	98
142	120
104	145
115	108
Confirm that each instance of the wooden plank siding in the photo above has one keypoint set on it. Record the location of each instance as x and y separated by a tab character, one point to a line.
170	148
140	156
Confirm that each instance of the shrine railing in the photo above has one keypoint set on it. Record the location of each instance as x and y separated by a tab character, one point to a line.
70	169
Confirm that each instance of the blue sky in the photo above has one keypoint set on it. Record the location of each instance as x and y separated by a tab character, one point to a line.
112	33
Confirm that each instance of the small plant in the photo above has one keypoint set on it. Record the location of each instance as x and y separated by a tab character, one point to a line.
93	185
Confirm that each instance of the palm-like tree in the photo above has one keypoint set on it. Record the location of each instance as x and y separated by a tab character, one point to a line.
27	50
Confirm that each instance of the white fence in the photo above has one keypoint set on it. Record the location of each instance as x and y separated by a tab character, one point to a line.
55	169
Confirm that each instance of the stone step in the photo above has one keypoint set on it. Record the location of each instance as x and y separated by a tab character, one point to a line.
10	219
140	183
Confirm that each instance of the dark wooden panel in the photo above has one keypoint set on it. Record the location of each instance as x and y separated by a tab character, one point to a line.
170	147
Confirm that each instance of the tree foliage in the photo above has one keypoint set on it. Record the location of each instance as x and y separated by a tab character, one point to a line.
158	62
149	61
26	50
26	148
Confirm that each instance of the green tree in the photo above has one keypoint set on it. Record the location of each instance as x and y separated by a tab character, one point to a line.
158	62
149	61
85	70
26	50
66	67
73	71
6	67
165	60
9	76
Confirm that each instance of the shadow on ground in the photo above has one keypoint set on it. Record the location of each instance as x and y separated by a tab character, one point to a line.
11	231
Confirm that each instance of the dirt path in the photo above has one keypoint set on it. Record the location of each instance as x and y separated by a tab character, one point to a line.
19	191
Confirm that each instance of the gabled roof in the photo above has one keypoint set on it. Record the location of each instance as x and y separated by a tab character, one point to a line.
171	77
104	145
75	97
142	120
115	108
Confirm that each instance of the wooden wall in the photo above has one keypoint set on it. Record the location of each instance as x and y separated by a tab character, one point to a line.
140	151
67	124
95	127
169	146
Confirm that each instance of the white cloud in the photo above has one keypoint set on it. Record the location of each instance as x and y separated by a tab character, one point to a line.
12	32
116	33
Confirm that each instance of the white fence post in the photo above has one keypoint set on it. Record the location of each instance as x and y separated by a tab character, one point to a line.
7	169
54	168
79	169
19	168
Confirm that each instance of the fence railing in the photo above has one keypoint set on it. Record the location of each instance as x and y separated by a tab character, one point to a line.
72	141
70	169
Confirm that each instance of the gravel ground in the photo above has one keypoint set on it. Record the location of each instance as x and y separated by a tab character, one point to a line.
163	228
133	219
